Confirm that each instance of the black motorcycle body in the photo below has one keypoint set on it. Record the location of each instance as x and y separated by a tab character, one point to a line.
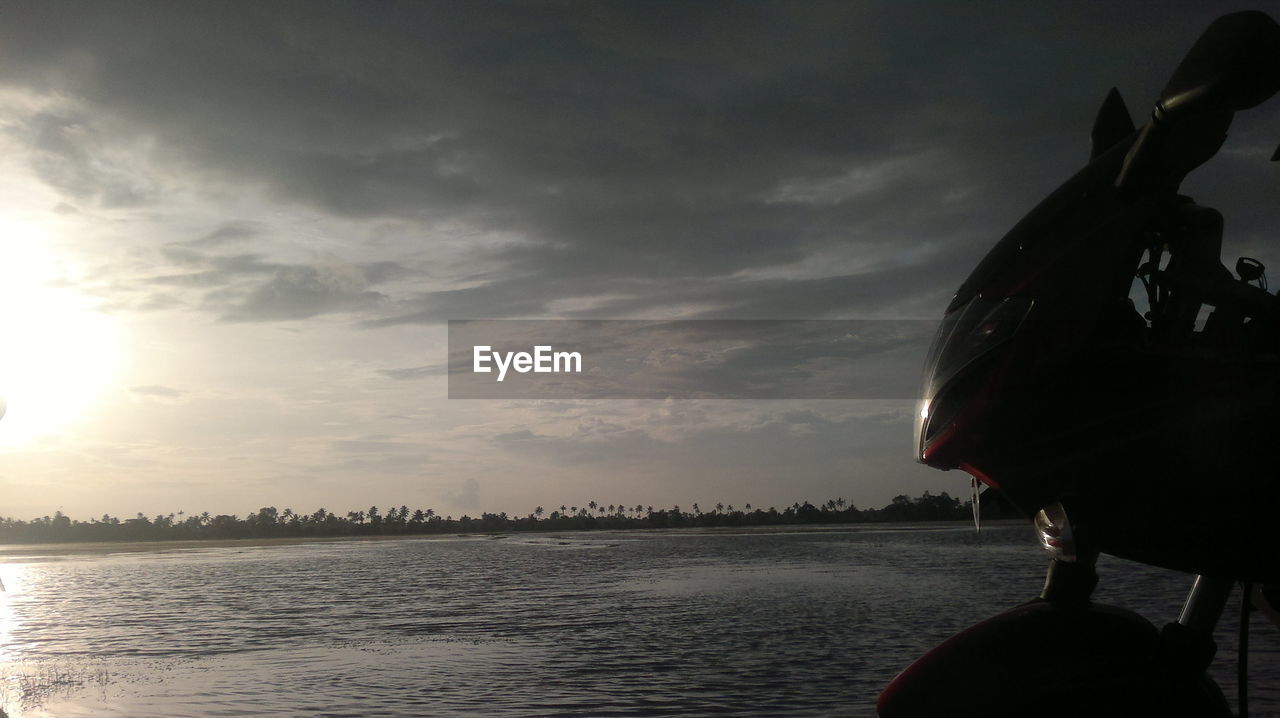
1138	431
1048	384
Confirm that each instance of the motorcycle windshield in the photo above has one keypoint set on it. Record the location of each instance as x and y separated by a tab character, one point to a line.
966	334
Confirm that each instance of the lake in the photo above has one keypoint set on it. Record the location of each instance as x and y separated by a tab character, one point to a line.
770	623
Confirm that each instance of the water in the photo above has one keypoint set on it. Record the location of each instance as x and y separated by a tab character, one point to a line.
590	624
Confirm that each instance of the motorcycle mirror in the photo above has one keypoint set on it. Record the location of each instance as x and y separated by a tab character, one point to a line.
1249	269
1235	65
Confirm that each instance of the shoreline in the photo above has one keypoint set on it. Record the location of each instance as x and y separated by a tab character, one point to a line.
14	552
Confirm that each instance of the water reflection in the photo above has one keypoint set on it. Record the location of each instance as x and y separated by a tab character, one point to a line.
578	624
13	577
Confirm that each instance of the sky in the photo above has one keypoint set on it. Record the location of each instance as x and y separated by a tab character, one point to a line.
231	235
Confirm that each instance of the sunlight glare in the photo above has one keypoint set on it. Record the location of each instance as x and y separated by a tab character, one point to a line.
59	351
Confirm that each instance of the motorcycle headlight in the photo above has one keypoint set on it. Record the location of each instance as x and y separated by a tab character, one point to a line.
1056	536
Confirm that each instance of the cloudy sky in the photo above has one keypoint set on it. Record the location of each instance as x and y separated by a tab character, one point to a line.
231	234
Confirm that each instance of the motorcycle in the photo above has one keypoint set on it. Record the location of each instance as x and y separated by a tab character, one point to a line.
1112	379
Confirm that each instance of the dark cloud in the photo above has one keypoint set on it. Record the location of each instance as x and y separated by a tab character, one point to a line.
229	232
250	288
71	154
296	293
416	372
516	437
215	271
665	149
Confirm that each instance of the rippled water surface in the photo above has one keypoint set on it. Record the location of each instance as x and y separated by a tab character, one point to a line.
591	624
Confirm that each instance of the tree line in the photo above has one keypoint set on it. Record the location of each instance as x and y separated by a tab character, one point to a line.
269	522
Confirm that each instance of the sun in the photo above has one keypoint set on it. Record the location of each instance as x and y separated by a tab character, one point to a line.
59	352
